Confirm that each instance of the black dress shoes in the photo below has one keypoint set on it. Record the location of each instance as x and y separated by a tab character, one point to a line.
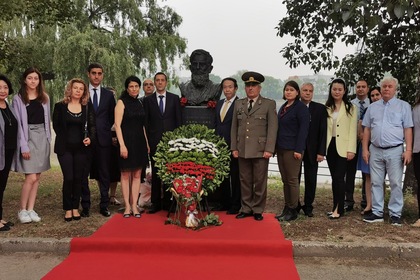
243	215
153	210
258	217
104	212
348	207
85	213
308	213
290	215
280	216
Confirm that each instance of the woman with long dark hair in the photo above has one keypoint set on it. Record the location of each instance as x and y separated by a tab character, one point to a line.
8	142
341	140
32	106
74	125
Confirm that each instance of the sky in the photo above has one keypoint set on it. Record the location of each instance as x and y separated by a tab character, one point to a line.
239	34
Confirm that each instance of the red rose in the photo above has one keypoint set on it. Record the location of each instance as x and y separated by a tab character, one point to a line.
211	104
184	101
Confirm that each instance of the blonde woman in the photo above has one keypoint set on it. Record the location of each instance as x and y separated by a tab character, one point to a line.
74	125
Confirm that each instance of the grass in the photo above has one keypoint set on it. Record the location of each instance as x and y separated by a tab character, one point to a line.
350	228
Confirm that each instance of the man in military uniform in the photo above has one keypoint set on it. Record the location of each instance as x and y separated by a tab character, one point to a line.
253	133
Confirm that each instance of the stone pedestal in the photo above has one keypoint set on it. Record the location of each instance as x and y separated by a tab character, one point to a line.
199	115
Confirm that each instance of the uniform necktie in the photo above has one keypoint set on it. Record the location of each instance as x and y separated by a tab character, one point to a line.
250	105
161	104
95	100
224	110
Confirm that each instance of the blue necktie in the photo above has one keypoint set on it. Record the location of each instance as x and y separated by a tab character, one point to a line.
161	103
95	100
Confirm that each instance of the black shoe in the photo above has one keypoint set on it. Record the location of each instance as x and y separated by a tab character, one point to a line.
258	217
243	215
279	216
9	224
105	212
308	213
5	228
232	212
77	218
153	210
289	216
68	219
348	207
85	213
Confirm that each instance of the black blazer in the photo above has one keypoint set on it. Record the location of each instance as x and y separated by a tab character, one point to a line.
223	128
60	126
156	123
317	136
104	117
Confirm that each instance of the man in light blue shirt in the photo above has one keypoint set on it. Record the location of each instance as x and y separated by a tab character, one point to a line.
388	122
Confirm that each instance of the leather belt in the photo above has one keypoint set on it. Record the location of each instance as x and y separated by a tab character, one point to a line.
386	148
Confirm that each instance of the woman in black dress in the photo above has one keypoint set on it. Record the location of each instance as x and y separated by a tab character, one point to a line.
129	126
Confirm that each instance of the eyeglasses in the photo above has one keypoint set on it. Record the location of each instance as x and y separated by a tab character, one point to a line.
148	84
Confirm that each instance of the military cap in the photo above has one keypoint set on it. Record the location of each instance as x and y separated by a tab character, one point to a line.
252	77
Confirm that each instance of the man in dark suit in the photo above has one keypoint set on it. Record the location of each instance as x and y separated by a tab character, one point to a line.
103	102
230	188
254	131
315	146
163	113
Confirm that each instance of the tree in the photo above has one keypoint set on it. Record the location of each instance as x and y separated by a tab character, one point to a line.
62	37
386	34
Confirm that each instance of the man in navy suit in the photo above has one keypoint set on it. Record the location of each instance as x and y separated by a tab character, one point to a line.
230	188
163	113
103	102
315	145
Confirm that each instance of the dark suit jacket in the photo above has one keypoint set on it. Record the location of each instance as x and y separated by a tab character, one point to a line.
105	118
60	126
156	123
317	136
223	127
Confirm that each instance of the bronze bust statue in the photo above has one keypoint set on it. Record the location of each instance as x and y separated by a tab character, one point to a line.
199	90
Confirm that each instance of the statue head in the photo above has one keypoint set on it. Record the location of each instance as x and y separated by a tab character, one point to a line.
200	67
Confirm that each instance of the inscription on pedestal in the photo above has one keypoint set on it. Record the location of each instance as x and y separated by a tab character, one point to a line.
199	115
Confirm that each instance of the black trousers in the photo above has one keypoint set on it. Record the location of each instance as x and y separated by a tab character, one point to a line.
229	192
338	167
310	166
4	175
73	165
350	177
416	164
101	157
157	188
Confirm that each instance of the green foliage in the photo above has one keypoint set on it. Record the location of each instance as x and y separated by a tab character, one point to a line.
386	34
166	153
63	37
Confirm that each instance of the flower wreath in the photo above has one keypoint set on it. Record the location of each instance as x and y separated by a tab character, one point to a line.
193	160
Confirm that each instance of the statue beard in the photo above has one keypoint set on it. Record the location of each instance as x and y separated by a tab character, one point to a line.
200	80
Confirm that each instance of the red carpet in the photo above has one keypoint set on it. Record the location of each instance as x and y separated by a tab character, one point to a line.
146	248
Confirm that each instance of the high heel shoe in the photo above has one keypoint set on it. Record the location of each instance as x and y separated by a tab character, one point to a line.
77	216
113	201
68	219
331	217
